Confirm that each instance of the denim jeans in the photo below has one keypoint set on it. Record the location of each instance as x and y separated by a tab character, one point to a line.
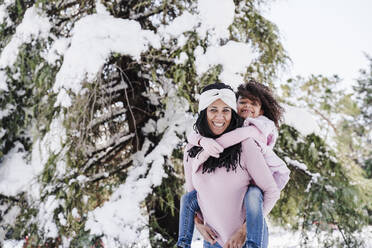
189	206
257	233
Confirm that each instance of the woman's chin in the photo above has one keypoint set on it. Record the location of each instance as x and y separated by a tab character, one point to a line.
218	131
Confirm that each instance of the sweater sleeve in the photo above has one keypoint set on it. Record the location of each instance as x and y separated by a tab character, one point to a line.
194	138
238	135
187	166
260	173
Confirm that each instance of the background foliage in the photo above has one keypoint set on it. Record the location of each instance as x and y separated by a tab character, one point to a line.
330	184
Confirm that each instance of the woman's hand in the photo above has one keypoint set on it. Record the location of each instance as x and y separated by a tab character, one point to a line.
238	238
207	233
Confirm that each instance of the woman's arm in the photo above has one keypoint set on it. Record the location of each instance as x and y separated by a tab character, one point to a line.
207	233
260	173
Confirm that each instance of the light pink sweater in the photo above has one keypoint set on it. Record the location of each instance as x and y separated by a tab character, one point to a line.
264	132
220	194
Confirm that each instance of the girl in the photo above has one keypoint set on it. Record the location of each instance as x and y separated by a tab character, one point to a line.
262	113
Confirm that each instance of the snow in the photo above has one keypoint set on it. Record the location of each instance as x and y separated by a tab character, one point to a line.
216	17
75	213
15	173
13	244
4	16
6	111
235	57
3	85
282	238
3	13
45	216
122	219
33	26
178	26
304	121
58	49
182	58
8	216
95	38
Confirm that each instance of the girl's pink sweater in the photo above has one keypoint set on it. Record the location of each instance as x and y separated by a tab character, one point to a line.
220	194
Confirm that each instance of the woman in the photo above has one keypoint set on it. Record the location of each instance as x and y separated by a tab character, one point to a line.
222	182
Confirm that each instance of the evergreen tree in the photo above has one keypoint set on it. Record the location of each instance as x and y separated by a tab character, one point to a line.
110	136
363	91
103	141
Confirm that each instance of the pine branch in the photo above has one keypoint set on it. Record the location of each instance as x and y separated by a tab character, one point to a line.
110	148
123	165
10	198
146	14
327	120
106	117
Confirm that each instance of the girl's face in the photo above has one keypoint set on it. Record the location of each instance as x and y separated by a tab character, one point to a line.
218	116
248	108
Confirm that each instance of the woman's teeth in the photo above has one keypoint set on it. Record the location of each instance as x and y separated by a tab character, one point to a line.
218	124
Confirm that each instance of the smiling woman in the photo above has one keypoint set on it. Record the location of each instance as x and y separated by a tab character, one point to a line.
218	116
217	185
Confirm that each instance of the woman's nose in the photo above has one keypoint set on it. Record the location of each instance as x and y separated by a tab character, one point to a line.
219	115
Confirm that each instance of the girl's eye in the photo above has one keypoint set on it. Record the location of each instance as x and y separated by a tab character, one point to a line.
213	110
226	110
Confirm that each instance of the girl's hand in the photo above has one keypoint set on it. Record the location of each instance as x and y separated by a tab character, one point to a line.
237	240
207	232
211	146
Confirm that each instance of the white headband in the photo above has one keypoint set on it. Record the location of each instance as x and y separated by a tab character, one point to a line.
209	96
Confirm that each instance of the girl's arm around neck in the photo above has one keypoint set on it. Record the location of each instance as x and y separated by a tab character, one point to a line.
193	138
238	135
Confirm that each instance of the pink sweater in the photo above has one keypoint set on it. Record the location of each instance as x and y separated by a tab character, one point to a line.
264	132
220	194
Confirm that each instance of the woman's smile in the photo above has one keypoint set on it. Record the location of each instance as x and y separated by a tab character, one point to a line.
218	116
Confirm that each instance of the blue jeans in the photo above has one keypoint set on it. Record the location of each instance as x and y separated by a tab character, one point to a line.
189	206
257	233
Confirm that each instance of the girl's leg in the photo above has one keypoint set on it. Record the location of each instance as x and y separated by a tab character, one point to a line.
189	206
257	235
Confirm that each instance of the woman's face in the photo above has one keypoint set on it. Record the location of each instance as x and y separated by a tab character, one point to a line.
218	116
248	108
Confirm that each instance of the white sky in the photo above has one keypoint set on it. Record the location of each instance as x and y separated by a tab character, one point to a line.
324	37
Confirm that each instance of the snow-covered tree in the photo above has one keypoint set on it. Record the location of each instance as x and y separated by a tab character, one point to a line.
95	101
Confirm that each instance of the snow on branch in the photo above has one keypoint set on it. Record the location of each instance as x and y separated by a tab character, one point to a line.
33	26
314	176
122	220
95	38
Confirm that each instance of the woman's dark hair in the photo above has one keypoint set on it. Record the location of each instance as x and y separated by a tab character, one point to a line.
255	91
230	157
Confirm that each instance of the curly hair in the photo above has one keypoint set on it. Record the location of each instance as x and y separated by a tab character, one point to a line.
255	91
230	157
